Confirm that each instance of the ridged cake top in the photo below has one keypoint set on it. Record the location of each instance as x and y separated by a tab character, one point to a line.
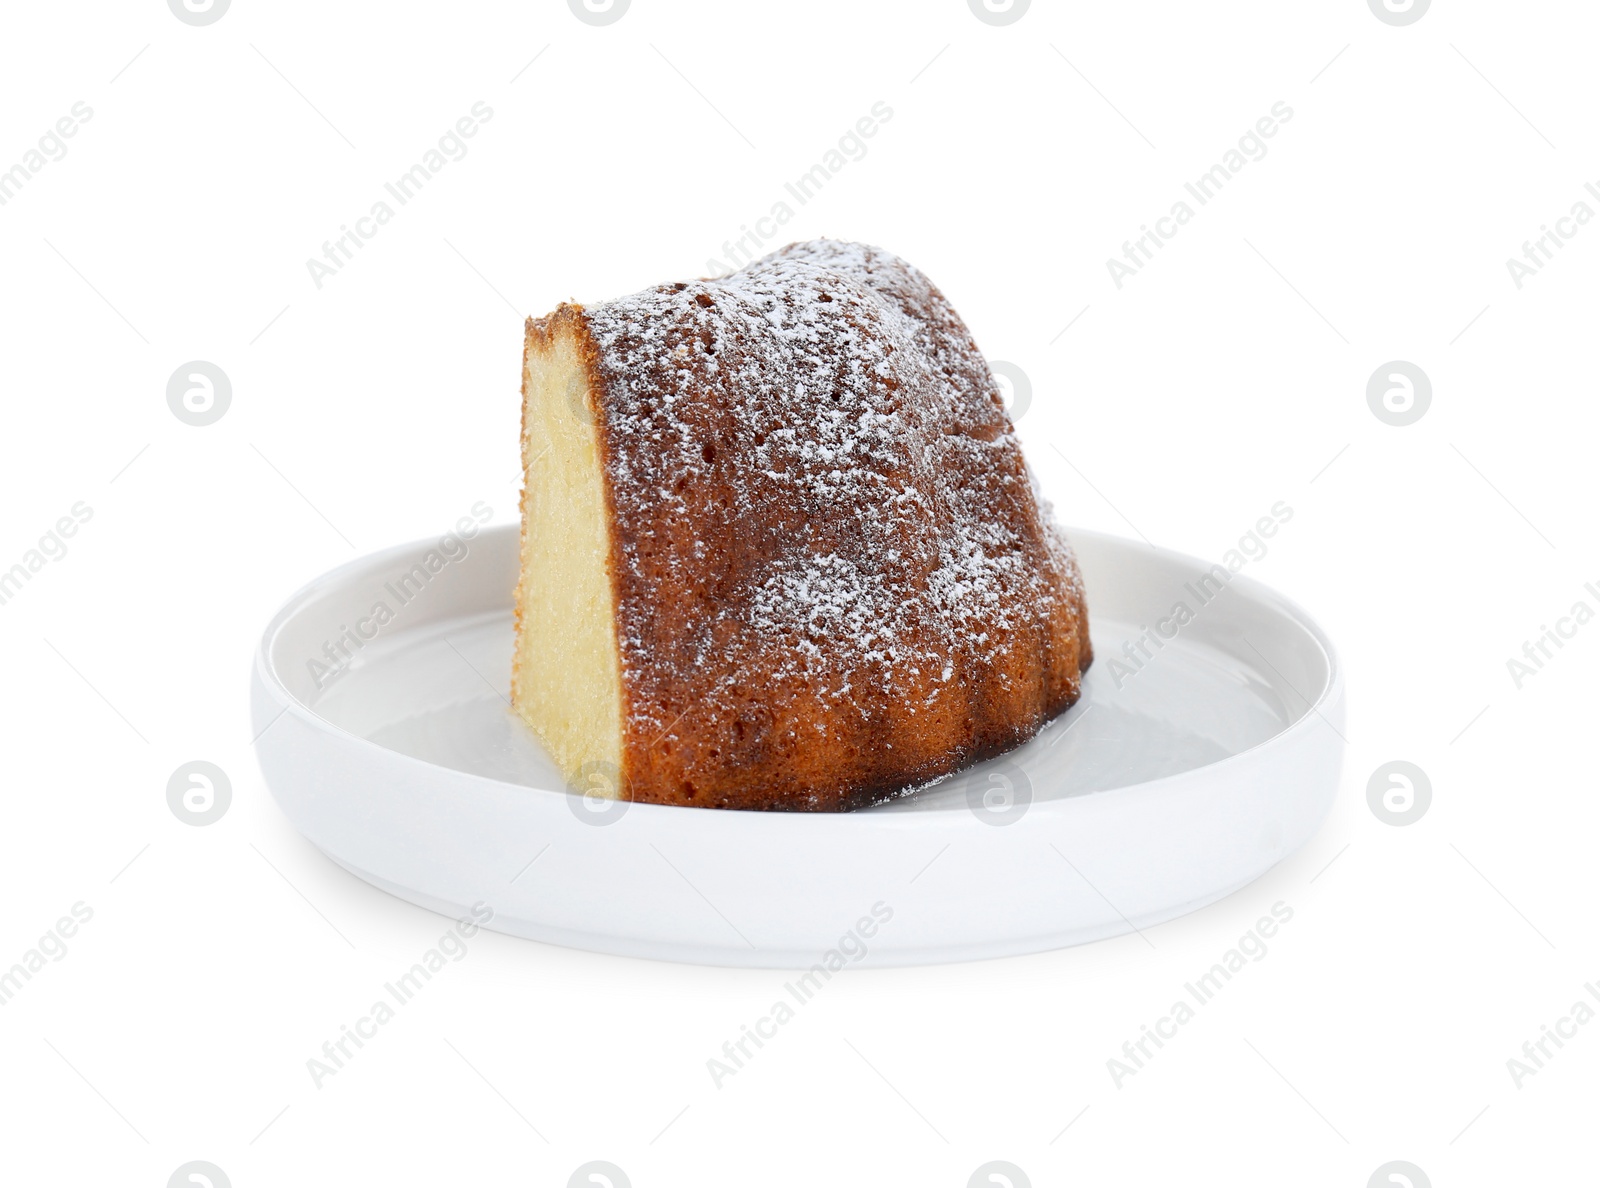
814	457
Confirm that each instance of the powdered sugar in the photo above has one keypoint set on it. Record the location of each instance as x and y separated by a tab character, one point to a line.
813	454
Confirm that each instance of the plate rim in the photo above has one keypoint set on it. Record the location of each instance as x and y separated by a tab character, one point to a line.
1331	693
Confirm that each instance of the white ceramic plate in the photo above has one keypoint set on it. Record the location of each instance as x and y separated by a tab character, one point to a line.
1174	781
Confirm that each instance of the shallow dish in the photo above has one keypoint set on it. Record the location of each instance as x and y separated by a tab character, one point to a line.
1206	748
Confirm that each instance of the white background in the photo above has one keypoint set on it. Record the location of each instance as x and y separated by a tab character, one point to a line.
1227	375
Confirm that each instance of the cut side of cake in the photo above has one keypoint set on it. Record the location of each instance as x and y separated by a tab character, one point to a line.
780	548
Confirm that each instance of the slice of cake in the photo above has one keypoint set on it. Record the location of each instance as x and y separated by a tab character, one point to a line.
780	549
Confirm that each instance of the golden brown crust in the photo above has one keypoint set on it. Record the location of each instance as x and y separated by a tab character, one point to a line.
832	577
